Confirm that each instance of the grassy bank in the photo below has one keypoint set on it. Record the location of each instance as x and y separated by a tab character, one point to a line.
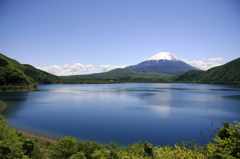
43	142
40	140
3	106
17	88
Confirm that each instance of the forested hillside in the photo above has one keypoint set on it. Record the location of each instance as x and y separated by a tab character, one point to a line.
117	76
40	76
225	74
12	78
37	76
228	73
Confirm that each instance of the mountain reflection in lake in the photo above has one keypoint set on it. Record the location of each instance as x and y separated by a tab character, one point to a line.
124	113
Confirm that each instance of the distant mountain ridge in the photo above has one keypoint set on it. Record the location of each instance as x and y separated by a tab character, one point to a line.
12	73
163	62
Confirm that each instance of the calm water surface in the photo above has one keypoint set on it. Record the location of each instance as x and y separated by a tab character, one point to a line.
124	113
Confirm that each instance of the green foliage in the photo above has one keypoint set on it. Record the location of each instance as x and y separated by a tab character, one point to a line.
148	148
14	145
3	62
177	152
78	155
227	146
227	142
14	88
113	145
11	76
89	148
64	148
189	76
48	143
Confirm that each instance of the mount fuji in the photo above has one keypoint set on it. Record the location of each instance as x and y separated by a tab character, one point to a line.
163	62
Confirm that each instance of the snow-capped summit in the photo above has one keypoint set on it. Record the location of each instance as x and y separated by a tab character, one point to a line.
163	62
164	56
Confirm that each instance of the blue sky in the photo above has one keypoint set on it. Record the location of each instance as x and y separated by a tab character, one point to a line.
78	36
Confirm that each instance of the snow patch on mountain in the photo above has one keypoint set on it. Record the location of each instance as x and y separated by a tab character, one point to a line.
164	56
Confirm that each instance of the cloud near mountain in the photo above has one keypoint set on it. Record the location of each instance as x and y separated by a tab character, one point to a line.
204	64
67	69
107	67
77	69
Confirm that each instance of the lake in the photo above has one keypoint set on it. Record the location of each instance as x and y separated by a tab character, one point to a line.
124	113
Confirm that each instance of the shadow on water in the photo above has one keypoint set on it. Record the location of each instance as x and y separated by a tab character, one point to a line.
164	89
146	95
138	108
198	89
12	99
139	90
235	97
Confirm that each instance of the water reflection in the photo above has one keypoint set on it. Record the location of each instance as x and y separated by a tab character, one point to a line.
163	111
124	113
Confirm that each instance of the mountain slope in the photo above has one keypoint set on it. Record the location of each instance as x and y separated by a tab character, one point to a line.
11	76
118	75
163	62
189	76
228	73
36	75
40	76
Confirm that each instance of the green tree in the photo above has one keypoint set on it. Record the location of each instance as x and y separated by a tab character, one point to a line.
89	148
64	148
148	148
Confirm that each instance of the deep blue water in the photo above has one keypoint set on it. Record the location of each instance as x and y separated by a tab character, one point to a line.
124	113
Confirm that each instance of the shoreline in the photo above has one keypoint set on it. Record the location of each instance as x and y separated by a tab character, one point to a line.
3	106
11	90
42	140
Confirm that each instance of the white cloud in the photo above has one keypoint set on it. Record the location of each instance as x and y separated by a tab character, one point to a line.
51	69
89	68
204	64
77	67
66	66
120	66
107	67
218	59
65	70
